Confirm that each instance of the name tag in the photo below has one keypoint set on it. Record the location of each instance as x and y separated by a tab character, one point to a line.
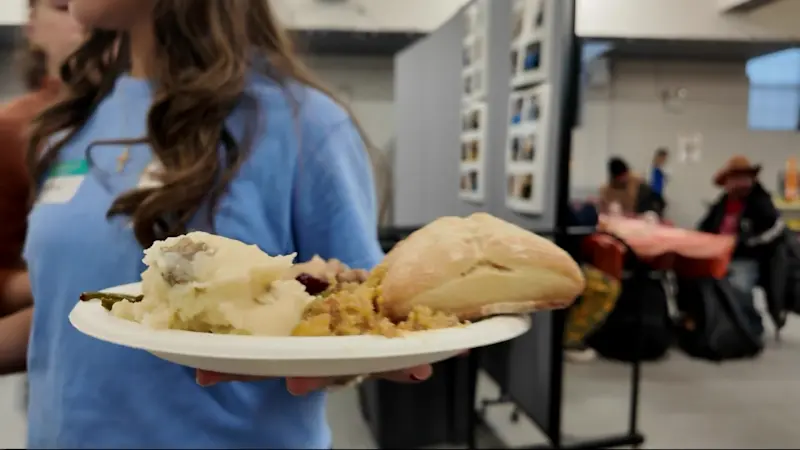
63	182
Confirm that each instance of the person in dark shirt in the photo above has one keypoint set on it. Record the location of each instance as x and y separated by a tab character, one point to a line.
744	210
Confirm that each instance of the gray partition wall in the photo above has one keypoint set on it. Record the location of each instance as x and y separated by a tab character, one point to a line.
426	167
428	125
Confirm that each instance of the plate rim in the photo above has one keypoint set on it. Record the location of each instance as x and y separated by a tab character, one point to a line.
84	318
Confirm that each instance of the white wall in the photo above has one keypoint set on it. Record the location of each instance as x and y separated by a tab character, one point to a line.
686	19
13	12
628	119
367	84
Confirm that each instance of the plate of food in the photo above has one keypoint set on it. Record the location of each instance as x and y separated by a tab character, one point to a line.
218	304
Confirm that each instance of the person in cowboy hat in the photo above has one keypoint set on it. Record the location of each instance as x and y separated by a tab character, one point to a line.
745	210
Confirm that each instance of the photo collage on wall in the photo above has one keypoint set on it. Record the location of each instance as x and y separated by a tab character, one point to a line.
529	54
528	106
472	156
474	52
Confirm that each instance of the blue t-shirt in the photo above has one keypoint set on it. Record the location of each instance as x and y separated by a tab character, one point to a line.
307	188
657	181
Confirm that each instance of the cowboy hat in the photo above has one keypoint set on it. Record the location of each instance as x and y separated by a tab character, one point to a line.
735	166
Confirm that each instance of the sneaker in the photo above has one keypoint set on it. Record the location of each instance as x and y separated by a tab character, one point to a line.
580	355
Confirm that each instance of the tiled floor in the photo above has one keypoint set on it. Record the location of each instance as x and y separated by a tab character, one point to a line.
12	418
685	404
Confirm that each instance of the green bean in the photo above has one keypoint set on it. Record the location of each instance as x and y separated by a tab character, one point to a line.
108	299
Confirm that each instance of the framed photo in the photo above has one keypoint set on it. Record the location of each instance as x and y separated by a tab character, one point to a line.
474	52
471	185
527	149
524	192
520	186
475	18
473	82
518	18
473	118
523	147
530	52
529	63
472	153
527	108
529	19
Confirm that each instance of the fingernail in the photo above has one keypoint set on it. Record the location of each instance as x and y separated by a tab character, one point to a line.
203	380
293	389
293	392
420	378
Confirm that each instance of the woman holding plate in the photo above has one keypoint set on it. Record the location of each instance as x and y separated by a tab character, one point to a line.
181	115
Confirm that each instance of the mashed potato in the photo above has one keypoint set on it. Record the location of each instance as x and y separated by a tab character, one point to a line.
207	283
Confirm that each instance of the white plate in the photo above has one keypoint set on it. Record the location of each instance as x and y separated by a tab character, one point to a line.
291	356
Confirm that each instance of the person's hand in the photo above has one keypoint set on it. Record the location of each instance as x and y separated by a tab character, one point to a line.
303	386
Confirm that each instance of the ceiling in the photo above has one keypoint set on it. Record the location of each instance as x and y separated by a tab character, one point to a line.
317	41
356	44
387	44
692	50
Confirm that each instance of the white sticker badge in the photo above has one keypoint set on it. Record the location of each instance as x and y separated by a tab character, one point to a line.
63	182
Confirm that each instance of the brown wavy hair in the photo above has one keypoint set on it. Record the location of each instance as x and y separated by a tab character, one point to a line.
205	51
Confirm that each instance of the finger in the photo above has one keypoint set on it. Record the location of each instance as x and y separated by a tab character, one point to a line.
413	375
207	378
304	386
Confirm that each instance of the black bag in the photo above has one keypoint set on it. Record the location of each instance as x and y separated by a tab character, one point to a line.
621	335
791	293
785	271
780	278
719	322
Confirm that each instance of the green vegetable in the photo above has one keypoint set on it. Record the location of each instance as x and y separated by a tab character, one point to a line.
108	299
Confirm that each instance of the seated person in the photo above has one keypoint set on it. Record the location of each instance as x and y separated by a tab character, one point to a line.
627	192
745	209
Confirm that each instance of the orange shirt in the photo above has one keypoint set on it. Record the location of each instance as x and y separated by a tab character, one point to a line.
15	118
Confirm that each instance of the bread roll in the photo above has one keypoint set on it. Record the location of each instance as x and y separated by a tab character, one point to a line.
478	266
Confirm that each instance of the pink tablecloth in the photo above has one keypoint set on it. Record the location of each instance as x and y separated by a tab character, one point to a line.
687	252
